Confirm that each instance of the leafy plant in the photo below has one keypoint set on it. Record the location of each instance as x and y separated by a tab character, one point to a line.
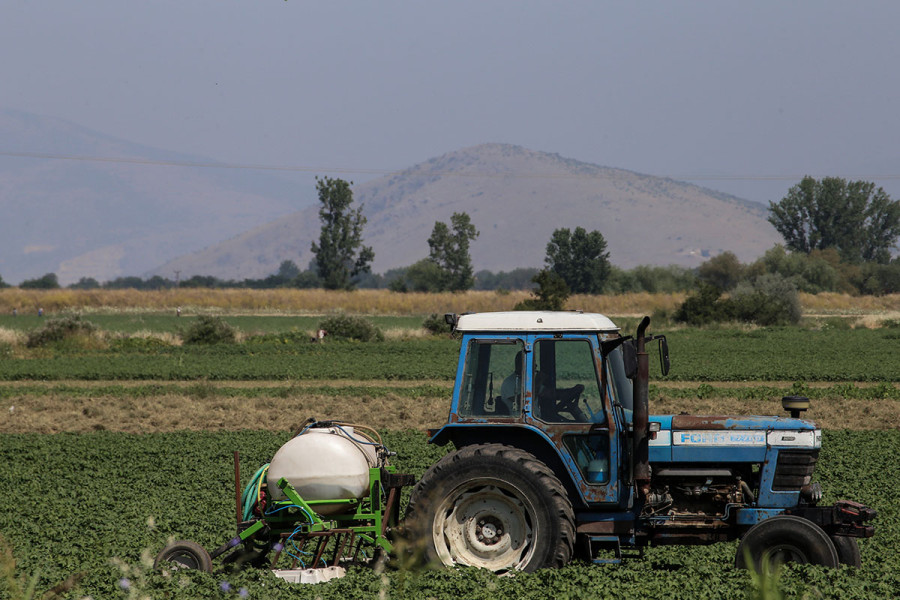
768	300
20	587
348	327
157	474
436	324
209	330
61	329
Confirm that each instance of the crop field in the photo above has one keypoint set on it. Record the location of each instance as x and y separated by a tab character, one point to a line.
770	354
88	505
110	446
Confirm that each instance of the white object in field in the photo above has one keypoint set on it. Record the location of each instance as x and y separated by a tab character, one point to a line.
310	575
324	464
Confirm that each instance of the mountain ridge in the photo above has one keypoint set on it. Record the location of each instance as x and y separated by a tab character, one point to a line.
85	204
513	196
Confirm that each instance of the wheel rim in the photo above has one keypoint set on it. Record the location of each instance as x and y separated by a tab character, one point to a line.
487	524
784	553
183	559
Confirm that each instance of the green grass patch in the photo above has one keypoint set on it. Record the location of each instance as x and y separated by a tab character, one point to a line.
774	354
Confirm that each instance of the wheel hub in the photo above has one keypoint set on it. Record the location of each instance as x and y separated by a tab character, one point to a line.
489	530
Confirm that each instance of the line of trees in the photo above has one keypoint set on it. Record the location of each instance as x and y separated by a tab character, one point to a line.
839	236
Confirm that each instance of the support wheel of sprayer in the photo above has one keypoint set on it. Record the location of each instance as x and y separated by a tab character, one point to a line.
183	554
494	507
847	549
785	538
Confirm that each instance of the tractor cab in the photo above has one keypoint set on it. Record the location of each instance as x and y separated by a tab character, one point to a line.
557	382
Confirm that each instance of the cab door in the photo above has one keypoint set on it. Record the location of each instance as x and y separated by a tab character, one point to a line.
571	403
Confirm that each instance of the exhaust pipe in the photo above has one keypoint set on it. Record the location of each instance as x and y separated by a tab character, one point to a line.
641	415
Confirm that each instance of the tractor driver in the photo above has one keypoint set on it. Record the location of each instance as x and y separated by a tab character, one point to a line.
553	401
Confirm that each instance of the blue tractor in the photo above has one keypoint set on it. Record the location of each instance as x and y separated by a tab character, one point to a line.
557	454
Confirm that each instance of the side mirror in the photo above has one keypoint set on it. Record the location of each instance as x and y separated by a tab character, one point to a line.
663	355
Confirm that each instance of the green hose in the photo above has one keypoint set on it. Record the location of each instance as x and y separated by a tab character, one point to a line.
248	498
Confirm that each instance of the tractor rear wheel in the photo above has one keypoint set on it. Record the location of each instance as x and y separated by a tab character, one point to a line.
184	554
785	538
494	507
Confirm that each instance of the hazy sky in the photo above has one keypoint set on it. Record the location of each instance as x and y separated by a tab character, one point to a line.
726	94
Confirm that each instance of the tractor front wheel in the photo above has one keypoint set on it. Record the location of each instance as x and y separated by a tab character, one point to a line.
494	507
785	538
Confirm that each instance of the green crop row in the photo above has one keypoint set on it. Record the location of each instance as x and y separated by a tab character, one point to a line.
414	360
90	504
128	323
206	389
778	354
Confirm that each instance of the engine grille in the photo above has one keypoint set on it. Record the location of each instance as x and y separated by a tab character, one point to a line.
794	468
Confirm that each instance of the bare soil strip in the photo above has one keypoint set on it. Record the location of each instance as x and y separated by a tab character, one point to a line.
177	407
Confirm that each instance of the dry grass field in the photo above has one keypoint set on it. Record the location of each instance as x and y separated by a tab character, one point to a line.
383	302
290	301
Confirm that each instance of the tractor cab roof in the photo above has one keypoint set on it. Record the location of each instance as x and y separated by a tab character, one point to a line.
534	321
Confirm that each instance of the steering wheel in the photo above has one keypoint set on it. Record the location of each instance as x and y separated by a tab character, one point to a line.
570	405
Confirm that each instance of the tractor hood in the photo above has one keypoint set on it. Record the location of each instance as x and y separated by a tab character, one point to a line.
728	438
744	422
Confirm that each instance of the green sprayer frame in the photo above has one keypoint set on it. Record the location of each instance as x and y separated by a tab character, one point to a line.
335	539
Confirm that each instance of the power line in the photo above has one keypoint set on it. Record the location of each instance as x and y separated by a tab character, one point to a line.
370	171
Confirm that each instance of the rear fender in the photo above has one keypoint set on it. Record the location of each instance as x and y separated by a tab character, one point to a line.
517	435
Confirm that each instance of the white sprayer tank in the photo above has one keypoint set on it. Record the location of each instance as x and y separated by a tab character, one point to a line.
324	464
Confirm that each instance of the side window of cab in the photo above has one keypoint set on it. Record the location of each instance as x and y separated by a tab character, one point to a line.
493	379
566	385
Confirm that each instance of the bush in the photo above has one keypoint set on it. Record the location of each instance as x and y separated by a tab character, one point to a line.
209	330
769	300
345	327
813	273
436	324
703	307
59	330
878	280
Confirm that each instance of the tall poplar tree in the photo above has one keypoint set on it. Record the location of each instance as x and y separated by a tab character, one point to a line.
450	251
339	253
